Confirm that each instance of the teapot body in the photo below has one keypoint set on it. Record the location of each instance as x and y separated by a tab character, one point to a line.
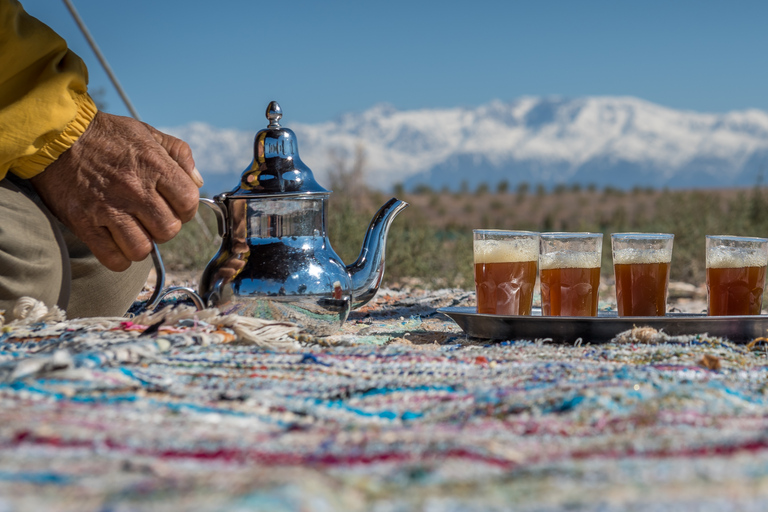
276	262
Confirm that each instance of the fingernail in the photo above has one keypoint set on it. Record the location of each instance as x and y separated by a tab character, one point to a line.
196	177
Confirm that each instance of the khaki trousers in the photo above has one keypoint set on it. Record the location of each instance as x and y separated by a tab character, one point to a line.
41	258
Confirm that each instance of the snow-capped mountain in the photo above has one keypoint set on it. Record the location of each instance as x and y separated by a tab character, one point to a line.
618	141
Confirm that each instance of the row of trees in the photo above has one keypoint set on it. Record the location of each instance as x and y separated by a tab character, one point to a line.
521	189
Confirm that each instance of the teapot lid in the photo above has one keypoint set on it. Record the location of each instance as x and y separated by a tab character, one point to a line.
276	168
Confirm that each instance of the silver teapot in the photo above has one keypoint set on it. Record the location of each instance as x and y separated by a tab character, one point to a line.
275	259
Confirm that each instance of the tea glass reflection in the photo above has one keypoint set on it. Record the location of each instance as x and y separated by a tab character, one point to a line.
641	263
569	273
505	270
735	274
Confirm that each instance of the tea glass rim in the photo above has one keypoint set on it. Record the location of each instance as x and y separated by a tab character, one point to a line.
504	232
736	238
642	236
571	234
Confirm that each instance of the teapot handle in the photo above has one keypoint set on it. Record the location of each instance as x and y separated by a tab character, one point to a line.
159	293
221	223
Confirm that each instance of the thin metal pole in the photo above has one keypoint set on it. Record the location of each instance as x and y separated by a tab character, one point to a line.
102	60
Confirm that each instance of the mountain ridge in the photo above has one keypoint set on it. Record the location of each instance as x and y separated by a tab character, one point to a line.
619	141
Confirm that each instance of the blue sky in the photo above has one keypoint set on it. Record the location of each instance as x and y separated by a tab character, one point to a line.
222	61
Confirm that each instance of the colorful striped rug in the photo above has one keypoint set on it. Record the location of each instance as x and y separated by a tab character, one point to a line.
399	411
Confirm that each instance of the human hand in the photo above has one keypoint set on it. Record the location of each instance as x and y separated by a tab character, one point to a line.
122	185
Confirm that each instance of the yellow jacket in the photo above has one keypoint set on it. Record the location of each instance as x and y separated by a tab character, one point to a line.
44	103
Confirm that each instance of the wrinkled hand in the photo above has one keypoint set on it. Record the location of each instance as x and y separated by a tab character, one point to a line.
122	185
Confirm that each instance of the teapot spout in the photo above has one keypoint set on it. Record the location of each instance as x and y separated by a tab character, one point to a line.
367	271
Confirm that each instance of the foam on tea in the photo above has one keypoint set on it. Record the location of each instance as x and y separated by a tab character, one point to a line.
506	251
732	257
634	256
569	259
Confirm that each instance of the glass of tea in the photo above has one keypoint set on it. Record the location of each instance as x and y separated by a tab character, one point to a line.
641	263
569	272
505	270
735	275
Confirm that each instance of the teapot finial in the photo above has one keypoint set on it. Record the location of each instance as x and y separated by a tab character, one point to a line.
276	167
274	113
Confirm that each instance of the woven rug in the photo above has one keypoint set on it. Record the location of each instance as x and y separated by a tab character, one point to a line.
180	410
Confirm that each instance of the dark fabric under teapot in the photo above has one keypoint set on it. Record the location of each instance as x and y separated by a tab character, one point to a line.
275	260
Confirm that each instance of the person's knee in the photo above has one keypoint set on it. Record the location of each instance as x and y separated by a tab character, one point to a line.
98	291
31	256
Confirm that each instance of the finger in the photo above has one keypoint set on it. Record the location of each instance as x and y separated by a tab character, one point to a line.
157	218
103	246
180	152
180	193
130	237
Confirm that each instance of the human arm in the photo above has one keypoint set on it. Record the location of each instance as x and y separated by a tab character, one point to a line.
118	184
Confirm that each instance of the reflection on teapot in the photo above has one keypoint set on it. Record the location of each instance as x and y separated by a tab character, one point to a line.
275	260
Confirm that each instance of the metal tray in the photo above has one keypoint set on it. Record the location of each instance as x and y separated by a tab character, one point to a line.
604	327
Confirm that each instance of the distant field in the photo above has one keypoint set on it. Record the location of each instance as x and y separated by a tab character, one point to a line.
430	243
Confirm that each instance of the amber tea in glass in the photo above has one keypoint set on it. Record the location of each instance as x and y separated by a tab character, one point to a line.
505	270
641	263
569	273
735	275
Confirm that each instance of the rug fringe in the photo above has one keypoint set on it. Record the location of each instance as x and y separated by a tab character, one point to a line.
135	339
28	311
266	333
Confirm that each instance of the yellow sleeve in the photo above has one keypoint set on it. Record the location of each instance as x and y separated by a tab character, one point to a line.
44	102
